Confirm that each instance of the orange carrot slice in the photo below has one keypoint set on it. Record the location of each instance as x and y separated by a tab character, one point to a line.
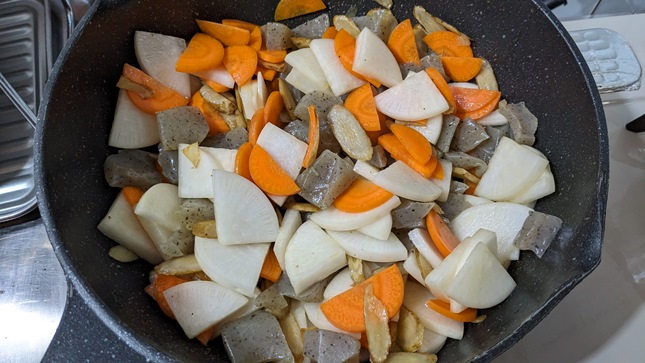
414	142
255	40
267	74
447	43
403	44
440	233
160	284
272	56
242	160
256	125
362	195
345	311
374	135
313	138
216	86
227	34
160	97
442	86
398	151
240	24
132	195
438	171
330	33
273	107
214	119
205	336
271	268
241	62
443	308
268	175
461	69
202	53
474	103
288	9
360	102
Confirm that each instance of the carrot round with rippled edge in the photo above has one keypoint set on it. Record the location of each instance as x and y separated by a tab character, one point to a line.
202	53
132	195
273	107
256	125
447	43
227	34
440	233
443	308
345	47
461	69
242	160
360	102
288	9
346	311
397	150
313	138
330	33
272	56
268	175
159	96
216	86
443	87
362	195
403	44
216	122
271	267
241	61
473	102
414	142
159	284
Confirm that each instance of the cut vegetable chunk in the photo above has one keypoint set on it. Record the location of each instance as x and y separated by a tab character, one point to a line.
361	196
374	59
325	180
203	53
349	133
360	103
236	267
325	346
268	175
191	303
147	93
134	168
157	55
132	128
337	220
290	223
403	181
243	213
339	79
312	255
364	247
415	300
416	98
288	9
181	125
195	181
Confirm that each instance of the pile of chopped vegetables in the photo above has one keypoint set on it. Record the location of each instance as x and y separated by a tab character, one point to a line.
323	190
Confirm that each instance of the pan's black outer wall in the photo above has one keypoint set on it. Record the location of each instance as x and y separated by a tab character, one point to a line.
535	61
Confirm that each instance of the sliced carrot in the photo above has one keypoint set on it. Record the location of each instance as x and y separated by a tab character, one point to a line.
440	233
241	62
461	69
216	86
443	308
362	195
438	171
202	53
227	34
413	123
268	175
256	125
360	102
398	151
345	47
160	284
255	40
414	142
403	44
442	86
447	43
345	311
214	119
267	74
288	9
471	187
206	336
160	97
242	160
273	107
272	56
330	33
271	268
132	195
313	138
240	24
473	102
374	135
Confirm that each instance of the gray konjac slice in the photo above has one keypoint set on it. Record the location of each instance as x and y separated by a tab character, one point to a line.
450	123
537	233
325	180
313	28
181	125
462	160
168	160
410	214
134	168
523	123
230	140
468	135
195	210
324	346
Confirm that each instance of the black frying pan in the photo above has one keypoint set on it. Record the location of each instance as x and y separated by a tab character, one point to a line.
110	318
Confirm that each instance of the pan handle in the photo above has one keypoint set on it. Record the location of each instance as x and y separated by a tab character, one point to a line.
552	4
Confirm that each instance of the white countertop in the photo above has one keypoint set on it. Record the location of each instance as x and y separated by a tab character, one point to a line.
603	319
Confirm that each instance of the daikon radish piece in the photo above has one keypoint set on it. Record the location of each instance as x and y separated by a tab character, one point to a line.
421	240
373	59
412	268
432	129
402	180
415	300
253	94
494	118
339	284
364	247
290	223
444	183
416	98
157	55
131	127
307	71
218	74
543	186
379	229
336	220
196	181
366	170
339	79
